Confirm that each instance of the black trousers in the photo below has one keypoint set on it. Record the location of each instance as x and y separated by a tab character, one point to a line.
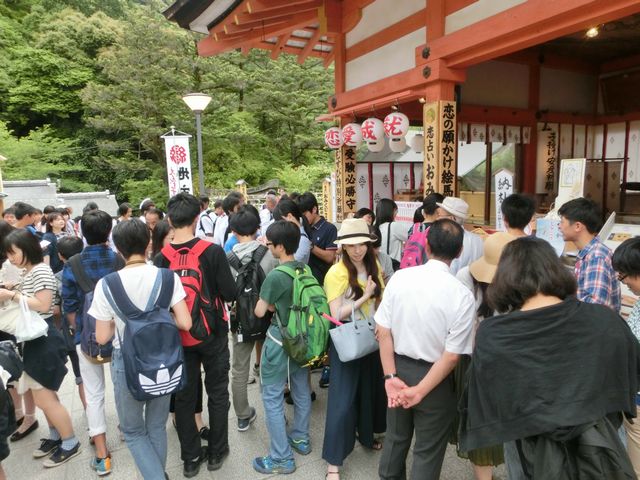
214	358
431	420
172	403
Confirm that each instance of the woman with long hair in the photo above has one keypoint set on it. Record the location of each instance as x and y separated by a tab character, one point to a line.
161	235
549	360
394	234
54	230
42	378
357	402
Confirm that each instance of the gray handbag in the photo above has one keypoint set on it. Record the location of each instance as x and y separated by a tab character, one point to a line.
354	339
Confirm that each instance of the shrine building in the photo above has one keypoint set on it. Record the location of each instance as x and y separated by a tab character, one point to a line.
488	86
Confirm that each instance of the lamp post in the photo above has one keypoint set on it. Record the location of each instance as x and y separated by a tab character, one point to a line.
197	102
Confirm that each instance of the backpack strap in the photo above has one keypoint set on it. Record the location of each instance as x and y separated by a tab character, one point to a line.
117	296
84	282
164	283
234	260
170	252
259	253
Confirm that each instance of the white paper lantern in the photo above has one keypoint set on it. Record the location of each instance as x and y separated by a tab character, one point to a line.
396	125
398	145
376	147
333	138
417	143
372	130
352	135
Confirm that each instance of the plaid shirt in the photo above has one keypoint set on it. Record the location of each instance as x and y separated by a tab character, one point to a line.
597	282
97	261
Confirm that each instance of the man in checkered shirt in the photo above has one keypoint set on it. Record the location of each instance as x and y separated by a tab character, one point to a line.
581	219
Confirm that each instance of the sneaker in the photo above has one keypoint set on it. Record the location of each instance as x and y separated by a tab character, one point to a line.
303	447
243	423
46	447
61	456
191	468
102	466
324	377
215	461
268	465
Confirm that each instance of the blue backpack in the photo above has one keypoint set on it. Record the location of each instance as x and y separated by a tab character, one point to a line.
151	348
86	324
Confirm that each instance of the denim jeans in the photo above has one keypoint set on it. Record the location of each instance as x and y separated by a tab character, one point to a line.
142	423
273	399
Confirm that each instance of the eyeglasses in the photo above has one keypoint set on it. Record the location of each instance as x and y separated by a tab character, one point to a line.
269	244
622	276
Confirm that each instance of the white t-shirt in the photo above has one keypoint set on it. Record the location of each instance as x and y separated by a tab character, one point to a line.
138	283
222	223
399	234
428	311
205	225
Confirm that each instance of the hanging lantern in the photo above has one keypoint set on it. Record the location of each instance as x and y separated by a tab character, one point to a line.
396	125
372	130
398	145
333	138
417	143
376	147
352	135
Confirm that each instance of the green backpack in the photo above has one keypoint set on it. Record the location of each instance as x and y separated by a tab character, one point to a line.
305	335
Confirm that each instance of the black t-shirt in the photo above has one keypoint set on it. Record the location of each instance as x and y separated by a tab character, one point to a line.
323	235
218	279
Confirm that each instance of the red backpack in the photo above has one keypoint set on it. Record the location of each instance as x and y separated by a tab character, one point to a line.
204	312
415	250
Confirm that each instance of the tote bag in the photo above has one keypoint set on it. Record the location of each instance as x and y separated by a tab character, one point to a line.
10	315
30	325
354	339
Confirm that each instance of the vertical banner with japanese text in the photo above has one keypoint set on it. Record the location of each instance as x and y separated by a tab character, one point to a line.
178	163
547	159
430	167
339	171
349	181
503	188
448	163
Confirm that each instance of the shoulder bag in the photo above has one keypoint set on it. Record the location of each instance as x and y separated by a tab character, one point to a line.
355	339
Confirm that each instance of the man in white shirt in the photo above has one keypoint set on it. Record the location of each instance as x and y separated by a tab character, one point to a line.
424	324
266	214
472	246
230	204
206	220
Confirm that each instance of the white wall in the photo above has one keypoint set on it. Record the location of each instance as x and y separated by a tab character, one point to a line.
388	60
476	12
498	84
380	15
563	91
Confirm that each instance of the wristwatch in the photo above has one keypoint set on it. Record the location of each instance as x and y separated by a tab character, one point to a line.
390	376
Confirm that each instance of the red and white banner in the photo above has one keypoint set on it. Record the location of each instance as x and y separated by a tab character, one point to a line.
178	163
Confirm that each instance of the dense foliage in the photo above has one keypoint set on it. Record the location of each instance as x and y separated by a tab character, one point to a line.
88	86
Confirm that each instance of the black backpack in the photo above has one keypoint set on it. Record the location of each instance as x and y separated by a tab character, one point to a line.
248	282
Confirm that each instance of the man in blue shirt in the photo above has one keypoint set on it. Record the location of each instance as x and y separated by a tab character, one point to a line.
97	260
323	236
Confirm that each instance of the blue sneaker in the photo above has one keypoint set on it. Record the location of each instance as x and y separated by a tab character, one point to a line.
303	447
102	466
324	377
268	465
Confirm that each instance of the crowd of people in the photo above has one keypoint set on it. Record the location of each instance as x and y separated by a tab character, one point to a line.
492	344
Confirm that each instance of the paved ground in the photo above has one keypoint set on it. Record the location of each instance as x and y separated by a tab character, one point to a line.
361	464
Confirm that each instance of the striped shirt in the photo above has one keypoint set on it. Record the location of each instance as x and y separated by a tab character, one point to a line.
39	278
597	282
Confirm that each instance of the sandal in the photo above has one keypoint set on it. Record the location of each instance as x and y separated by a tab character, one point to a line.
329	477
377	445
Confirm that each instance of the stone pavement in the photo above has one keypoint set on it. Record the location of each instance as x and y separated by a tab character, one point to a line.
361	465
